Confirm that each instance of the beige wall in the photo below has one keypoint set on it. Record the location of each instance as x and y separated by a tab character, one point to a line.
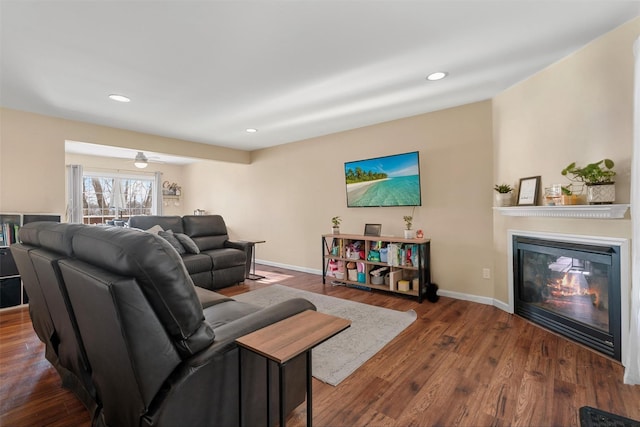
289	193
32	157
579	109
31	164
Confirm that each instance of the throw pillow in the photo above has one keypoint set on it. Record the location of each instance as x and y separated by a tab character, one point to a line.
189	245
171	238
155	229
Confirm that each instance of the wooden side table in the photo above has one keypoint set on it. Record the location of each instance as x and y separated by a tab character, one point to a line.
286	339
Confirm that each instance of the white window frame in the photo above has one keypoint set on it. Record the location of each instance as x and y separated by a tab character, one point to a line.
156	205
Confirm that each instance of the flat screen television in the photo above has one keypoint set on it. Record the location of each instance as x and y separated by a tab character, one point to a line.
384	181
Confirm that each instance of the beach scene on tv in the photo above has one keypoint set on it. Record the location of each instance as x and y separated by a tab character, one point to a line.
384	181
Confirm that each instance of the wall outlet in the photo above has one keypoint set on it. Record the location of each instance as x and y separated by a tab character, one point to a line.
486	273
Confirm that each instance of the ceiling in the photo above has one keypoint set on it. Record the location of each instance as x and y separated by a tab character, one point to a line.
205	71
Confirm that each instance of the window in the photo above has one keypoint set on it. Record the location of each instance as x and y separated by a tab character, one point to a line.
107	197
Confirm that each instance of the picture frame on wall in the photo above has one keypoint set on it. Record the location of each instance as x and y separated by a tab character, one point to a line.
528	191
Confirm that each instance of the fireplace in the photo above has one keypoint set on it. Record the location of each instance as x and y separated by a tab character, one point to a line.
570	286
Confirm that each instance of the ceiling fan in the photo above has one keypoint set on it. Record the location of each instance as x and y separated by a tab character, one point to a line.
141	161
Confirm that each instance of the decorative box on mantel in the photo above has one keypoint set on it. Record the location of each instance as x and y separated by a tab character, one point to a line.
614	211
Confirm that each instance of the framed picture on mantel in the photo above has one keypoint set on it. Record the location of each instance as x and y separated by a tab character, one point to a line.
528	191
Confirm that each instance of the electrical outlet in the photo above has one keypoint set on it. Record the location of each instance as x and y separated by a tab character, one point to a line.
486	273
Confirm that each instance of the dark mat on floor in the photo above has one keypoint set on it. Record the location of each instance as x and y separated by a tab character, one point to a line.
592	417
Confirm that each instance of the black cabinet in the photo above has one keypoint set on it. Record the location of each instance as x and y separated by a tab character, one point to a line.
11	289
10	292
10	283
7	264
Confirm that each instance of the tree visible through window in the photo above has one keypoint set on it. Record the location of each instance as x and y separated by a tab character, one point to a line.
106	198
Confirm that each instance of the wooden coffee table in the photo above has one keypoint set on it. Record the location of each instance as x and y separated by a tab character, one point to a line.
286	339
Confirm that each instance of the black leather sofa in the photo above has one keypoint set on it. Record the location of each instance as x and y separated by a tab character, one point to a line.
218	262
135	340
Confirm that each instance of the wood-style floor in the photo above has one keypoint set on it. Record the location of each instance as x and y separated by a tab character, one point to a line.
460	363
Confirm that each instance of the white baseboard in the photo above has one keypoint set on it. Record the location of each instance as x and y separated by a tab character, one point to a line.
465	297
502	306
442	292
290	267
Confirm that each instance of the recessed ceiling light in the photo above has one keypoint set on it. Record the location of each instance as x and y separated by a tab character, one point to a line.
437	76
119	98
251	130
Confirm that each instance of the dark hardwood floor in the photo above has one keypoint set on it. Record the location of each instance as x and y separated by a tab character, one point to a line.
460	363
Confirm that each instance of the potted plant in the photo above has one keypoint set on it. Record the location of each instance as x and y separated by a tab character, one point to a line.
336	224
503	196
408	221
598	177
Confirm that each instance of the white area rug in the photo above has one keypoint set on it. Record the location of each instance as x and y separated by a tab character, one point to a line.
371	329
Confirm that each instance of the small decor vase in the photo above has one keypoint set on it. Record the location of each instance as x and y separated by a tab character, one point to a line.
409	234
601	194
570	200
503	200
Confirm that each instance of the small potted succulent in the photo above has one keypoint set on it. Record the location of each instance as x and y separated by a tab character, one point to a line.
335	229
599	179
408	222
503	195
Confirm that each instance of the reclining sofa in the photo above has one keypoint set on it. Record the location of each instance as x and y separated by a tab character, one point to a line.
212	260
136	341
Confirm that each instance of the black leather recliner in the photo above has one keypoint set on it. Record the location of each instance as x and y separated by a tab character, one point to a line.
220	263
145	350
51	315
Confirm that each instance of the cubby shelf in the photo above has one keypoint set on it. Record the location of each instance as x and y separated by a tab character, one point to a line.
12	292
421	271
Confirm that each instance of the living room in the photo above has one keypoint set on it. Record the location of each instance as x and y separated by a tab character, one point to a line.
464	152
578	109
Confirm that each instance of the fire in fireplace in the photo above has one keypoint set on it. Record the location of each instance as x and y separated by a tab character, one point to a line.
570	288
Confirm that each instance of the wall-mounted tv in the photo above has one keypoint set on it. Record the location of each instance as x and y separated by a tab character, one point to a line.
384	181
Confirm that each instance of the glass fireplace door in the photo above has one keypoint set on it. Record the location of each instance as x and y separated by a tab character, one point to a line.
570	288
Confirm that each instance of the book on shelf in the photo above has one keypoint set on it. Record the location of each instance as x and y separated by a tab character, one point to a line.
402	255
8	234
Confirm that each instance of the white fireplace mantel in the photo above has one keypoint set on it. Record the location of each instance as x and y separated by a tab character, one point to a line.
575	211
